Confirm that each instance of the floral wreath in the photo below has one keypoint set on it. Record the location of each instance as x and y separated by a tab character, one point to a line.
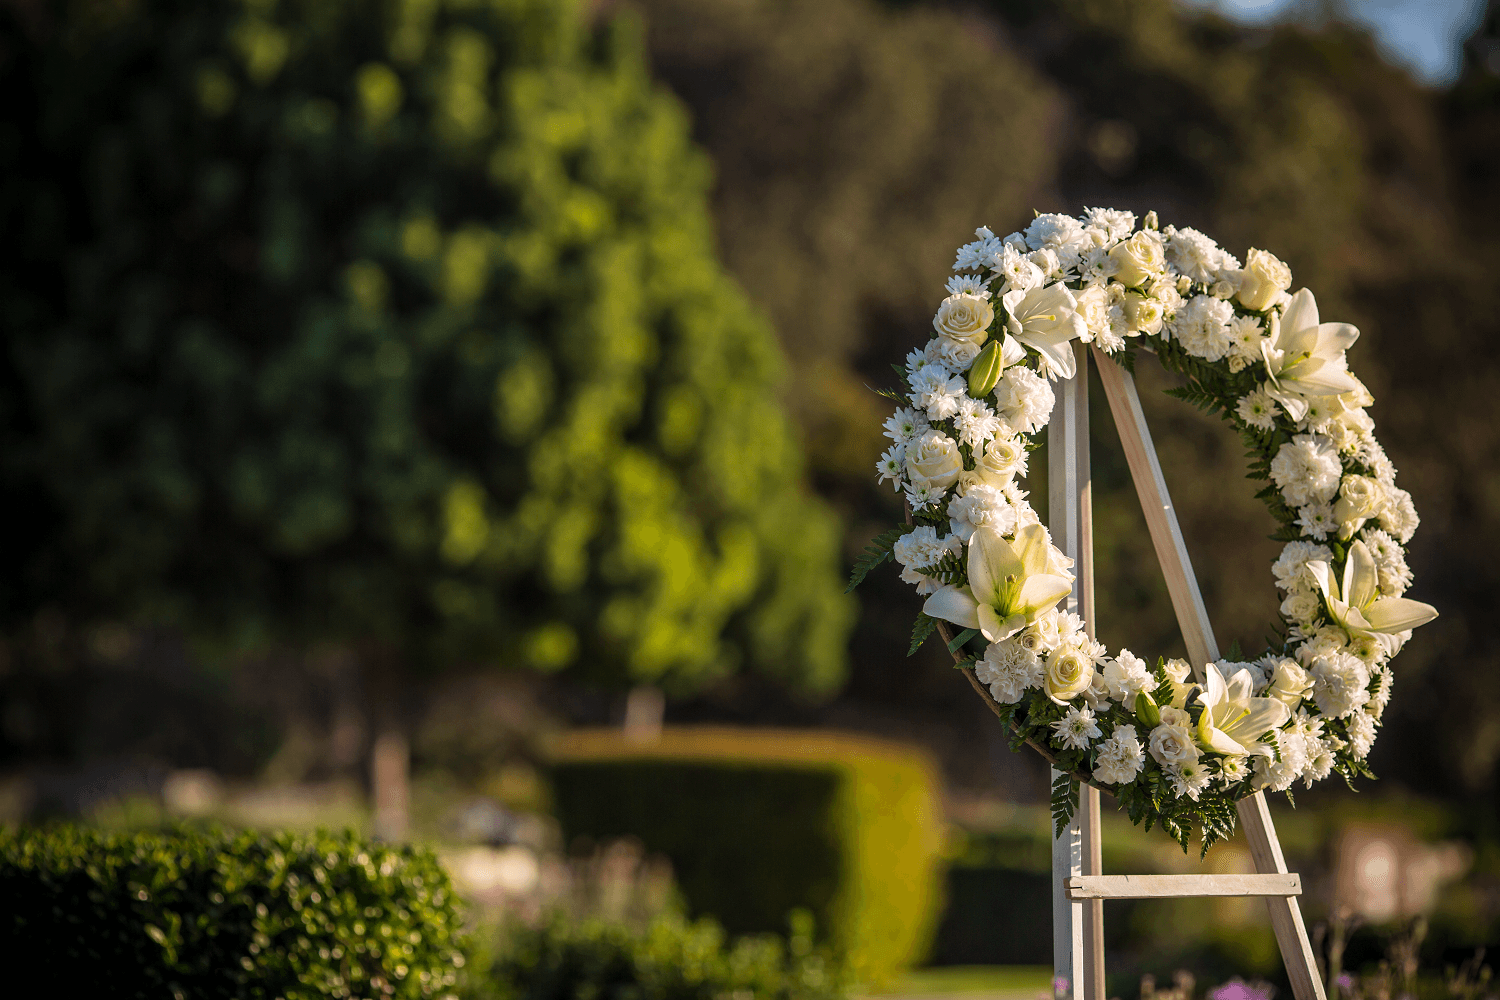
1173	750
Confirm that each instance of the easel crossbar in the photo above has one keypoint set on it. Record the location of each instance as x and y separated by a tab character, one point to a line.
1178	886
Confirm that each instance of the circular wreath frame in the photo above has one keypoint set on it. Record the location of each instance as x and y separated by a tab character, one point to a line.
1217	386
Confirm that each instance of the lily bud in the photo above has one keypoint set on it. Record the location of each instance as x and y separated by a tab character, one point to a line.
1146	710
1151	221
985	371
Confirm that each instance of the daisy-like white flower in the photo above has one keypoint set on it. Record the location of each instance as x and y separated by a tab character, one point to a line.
905	424
972	256
1232	770
968	284
892	465
937	390
1189	778
976	423
1077	728
922	497
1317	521
1257	410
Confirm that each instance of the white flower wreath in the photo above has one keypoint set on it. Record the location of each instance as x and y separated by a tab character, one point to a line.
1172	751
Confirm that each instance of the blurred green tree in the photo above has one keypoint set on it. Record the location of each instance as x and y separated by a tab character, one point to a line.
395	325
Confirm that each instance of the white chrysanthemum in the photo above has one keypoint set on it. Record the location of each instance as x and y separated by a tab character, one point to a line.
1399	516
1127	676
1380	697
905	424
1390	562
917	360
1055	232
1196	256
1372	453
1072	630
976	423
1117	224
1340	684
981	505
1202	325
1094	268
921	548
892	465
968	284
1009	670
1189	778
936	390
1319	762
1316	520
1306	725
1258	409
1077	728
1277	775
1120	758
972	256
1246	335
1232	770
1307	469
1290	568
1024	400
1109	341
1017	272
921	496
1361	728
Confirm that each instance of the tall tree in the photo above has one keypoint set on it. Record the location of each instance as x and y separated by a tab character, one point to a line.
392	324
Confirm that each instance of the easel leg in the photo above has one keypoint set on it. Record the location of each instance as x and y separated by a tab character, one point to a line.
1093	909
1068	962
1286	915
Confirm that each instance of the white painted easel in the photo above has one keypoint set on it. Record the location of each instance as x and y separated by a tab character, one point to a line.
1079	887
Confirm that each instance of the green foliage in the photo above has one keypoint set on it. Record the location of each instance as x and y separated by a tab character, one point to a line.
215	914
923	627
396	323
1064	802
877	552
759	825
670	959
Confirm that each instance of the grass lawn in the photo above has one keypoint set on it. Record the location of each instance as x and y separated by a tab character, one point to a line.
1021	982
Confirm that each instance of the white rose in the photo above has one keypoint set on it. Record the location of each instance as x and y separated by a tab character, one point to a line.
965	317
1003	459
1289	682
1263	280
933	461
1360	498
1172	744
1301	606
1138	259
1068	674
1143	315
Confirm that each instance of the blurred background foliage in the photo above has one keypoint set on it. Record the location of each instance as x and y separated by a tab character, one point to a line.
455	366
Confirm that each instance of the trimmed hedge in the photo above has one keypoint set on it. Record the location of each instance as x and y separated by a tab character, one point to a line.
671	959
759	823
214	914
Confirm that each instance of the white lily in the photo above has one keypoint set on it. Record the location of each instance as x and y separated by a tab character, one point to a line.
1305	358
1046	319
1358	606
1011	584
1233	720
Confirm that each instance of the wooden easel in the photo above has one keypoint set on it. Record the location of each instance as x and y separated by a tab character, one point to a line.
1079	887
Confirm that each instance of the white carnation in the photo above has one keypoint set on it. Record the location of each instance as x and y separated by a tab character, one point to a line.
1056	232
921	548
1120	758
1399	516
1307	469
1390	562
1340	683
1116	224
1009	669
1290	568
1024	400
1127	677
1202	325
1196	256
1319	762
981	505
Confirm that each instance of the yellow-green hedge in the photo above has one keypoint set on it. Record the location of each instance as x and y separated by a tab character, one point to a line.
760	822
